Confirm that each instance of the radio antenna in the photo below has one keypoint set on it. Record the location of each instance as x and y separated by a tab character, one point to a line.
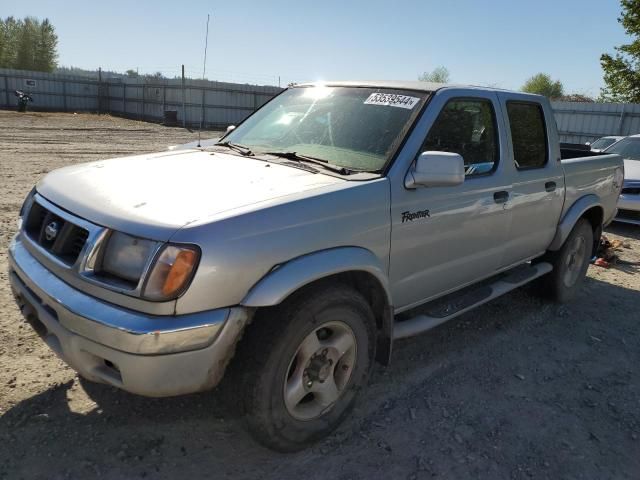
204	71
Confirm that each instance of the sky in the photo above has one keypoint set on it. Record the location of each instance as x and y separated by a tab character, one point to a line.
491	42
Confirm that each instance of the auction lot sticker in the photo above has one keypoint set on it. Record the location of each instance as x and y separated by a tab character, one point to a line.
392	100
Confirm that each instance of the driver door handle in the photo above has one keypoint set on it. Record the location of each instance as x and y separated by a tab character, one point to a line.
501	196
550	186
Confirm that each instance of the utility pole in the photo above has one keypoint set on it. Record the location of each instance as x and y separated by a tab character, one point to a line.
204	70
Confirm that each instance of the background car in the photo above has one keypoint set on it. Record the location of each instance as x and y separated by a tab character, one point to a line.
629	201
604	142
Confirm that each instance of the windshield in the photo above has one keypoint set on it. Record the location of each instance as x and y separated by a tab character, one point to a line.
603	143
628	148
350	127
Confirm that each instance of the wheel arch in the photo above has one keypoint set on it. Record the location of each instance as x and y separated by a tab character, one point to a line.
354	266
587	207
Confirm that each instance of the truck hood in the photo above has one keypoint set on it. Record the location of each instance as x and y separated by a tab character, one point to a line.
155	195
632	170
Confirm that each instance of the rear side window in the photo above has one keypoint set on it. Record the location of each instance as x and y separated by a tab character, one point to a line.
528	134
467	126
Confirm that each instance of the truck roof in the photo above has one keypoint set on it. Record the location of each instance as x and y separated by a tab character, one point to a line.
396	84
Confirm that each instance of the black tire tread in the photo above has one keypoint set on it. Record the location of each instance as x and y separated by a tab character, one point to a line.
551	285
262	340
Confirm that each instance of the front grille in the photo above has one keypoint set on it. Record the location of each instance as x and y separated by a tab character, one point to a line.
628	214
59	237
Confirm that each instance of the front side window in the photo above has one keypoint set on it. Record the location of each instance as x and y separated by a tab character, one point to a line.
628	148
528	134
467	127
356	128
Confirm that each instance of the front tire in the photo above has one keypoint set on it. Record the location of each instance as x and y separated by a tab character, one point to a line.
570	263
305	363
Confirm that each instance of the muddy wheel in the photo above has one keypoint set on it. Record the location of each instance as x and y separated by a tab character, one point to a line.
570	263
309	359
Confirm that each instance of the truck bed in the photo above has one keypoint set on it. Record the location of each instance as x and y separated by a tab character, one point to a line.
580	172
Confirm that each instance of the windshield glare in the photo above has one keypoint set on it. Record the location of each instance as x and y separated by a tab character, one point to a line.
628	148
351	127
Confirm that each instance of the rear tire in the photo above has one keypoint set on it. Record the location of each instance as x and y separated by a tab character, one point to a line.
570	264
304	364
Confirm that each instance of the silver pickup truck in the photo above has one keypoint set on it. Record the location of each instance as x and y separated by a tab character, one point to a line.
336	219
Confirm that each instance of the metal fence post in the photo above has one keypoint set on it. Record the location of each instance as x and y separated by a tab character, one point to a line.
202	119
64	96
124	99
184	105
621	125
99	90
6	90
143	87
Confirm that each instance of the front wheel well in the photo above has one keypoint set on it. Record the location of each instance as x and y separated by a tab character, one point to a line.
373	292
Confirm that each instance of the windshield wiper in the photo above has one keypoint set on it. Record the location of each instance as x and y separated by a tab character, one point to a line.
317	161
236	147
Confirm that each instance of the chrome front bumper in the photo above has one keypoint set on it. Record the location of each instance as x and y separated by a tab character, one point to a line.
144	354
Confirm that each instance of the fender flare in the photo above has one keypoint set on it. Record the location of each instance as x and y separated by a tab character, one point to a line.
575	212
286	278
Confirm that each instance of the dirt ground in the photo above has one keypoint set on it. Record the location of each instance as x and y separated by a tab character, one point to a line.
519	388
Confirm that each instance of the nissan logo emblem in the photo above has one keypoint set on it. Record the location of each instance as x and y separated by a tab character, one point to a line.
51	231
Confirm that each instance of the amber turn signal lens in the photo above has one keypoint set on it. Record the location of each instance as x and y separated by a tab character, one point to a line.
180	272
171	272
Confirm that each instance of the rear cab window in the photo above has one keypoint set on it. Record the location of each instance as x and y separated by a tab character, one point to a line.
528	135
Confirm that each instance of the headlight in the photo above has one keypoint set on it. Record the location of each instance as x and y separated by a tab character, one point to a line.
171	272
126	257
164	271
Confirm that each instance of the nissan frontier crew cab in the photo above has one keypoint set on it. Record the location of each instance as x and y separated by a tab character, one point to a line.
336	219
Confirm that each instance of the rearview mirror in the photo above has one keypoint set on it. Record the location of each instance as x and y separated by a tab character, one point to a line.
436	169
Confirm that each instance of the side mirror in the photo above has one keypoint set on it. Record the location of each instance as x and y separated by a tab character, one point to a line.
230	128
588	144
436	169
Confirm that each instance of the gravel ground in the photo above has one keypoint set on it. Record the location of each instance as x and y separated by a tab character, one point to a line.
518	388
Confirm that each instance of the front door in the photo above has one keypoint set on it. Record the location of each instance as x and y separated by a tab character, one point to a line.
444	238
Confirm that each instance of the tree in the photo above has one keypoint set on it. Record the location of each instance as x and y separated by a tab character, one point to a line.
28	44
46	54
437	75
576	97
542	84
132	73
154	76
622	70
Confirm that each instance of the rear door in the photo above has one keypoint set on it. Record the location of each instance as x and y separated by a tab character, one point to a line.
537	177
446	237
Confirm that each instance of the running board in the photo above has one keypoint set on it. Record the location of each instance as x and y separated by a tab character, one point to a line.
455	304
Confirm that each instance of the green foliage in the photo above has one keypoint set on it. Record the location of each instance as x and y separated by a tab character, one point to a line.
154	76
28	44
576	97
622	70
542	84
437	75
